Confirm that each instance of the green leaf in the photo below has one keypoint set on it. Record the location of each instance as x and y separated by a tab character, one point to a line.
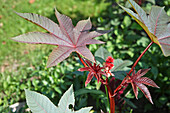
143	41
39	103
154	71
103	53
120	65
127	21
152	1
23	86
120	74
163	99
78	73
101	60
120	68
156	24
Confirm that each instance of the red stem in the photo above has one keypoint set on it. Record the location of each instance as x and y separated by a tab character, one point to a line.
134	65
82	61
111	98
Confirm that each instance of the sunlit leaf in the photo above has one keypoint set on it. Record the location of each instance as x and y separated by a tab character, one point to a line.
156	24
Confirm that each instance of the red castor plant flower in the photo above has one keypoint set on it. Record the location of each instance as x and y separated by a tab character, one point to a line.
94	70
138	81
108	66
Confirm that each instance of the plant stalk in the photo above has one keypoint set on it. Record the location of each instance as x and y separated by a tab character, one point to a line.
108	103
111	98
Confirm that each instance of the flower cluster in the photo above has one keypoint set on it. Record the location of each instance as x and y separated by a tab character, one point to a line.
109	65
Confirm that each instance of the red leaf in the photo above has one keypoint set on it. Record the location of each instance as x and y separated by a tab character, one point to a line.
94	70
89	77
67	37
85	52
137	81
141	72
145	91
66	26
59	54
147	81
135	90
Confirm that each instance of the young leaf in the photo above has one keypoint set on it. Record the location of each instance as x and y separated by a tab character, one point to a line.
94	70
67	37
39	103
137	80
156	24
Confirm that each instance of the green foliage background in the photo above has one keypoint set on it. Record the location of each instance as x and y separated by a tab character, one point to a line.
24	66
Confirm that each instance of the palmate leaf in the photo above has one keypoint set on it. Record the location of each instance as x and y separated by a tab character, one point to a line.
137	81
66	100
156	24
39	103
67	37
